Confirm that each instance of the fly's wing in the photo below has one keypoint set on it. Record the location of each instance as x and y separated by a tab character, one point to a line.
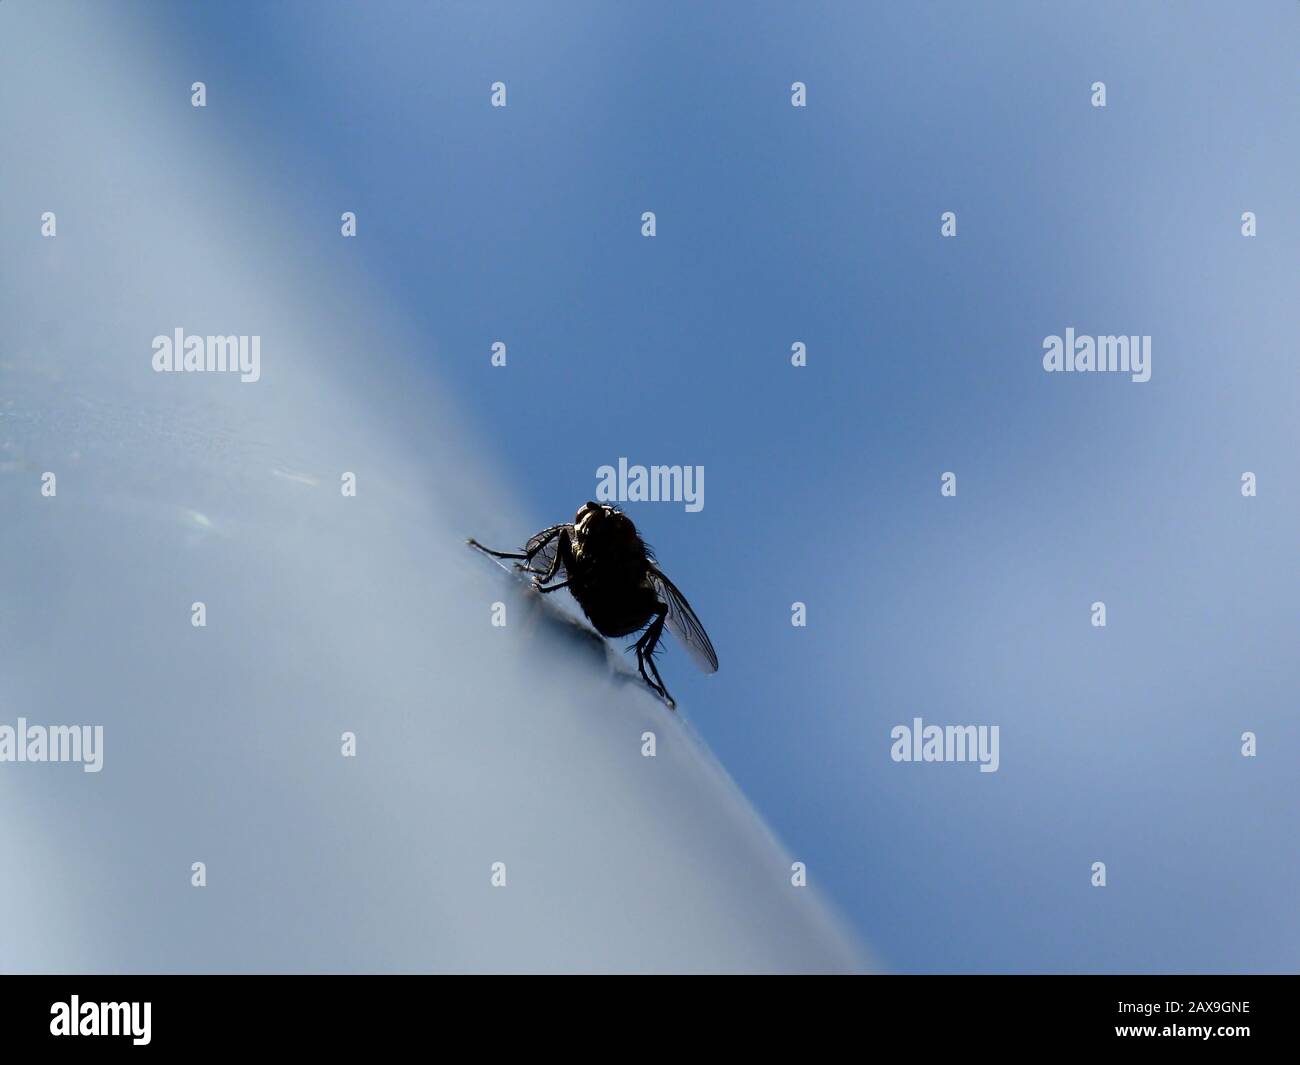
546	543
683	623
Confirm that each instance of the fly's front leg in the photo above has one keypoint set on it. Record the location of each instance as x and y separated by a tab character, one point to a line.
525	557
563	557
527	567
494	554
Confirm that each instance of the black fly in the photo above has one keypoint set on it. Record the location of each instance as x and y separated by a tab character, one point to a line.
612	574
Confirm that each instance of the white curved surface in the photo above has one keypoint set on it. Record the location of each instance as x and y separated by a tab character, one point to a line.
325	614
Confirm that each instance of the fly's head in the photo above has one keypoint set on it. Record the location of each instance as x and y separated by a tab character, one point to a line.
600	525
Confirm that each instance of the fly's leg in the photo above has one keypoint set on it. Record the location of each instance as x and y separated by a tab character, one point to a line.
645	649
494	554
563	557
526	558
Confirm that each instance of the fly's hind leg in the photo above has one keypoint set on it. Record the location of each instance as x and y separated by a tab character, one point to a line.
645	649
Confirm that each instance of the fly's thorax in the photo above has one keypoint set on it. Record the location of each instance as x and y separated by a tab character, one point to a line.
607	567
610	547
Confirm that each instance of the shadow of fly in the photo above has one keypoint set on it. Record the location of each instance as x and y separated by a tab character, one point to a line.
613	575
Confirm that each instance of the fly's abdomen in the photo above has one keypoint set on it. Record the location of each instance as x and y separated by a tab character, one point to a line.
613	594
619	614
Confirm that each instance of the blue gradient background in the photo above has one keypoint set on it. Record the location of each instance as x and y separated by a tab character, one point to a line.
821	224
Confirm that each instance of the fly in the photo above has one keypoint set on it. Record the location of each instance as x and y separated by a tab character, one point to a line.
613	575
